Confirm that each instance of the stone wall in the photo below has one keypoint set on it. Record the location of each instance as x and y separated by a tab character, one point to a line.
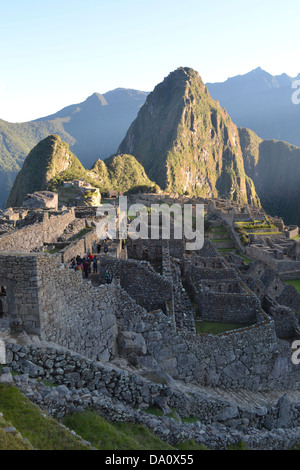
61	366
33	236
138	278
227	307
75	248
220	294
290	297
80	317
244	358
89	321
50	300
286	324
292	231
198	274
144	249
19	275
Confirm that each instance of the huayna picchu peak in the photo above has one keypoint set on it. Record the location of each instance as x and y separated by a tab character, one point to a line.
187	143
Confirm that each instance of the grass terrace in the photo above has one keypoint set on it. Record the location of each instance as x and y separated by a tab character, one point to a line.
295	283
216	328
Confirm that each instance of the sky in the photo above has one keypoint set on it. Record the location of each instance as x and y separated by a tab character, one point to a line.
54	53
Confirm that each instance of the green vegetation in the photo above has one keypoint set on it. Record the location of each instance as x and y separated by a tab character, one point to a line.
11	440
50	163
215	328
127	174
119	436
295	283
239	446
244	229
258	228
92	128
163	140
80	234
219	240
42	431
112	436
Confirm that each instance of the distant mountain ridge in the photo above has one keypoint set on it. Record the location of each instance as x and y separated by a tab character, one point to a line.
261	102
93	129
274	167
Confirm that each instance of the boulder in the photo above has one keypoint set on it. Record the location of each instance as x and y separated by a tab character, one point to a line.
130	342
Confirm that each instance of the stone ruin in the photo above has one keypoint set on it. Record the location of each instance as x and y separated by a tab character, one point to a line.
136	340
41	199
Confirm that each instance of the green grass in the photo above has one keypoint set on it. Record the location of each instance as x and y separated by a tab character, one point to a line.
265	233
11	440
42	431
215	328
45	433
153	410
120	436
80	234
55	250
234	250
112	436
239	446
245	258
295	283
226	250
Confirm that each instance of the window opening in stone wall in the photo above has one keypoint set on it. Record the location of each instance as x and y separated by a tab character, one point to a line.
3	303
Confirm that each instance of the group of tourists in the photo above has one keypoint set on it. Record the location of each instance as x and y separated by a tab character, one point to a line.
89	264
86	265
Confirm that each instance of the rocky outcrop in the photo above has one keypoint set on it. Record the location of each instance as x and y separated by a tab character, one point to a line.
41	199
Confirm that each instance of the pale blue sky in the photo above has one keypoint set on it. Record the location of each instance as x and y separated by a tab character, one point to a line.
55	53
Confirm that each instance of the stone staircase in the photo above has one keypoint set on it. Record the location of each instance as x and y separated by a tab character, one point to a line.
243	398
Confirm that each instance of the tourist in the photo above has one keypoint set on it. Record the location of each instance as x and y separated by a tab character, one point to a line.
105	247
108	276
79	267
86	267
95	265
72	264
98	247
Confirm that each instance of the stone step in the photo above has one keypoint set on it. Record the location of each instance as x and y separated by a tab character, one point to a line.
246	399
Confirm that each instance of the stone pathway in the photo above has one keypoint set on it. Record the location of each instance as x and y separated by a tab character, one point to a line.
245	399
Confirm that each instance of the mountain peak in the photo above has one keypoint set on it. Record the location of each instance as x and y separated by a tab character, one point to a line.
97	98
186	142
185	73
258	69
